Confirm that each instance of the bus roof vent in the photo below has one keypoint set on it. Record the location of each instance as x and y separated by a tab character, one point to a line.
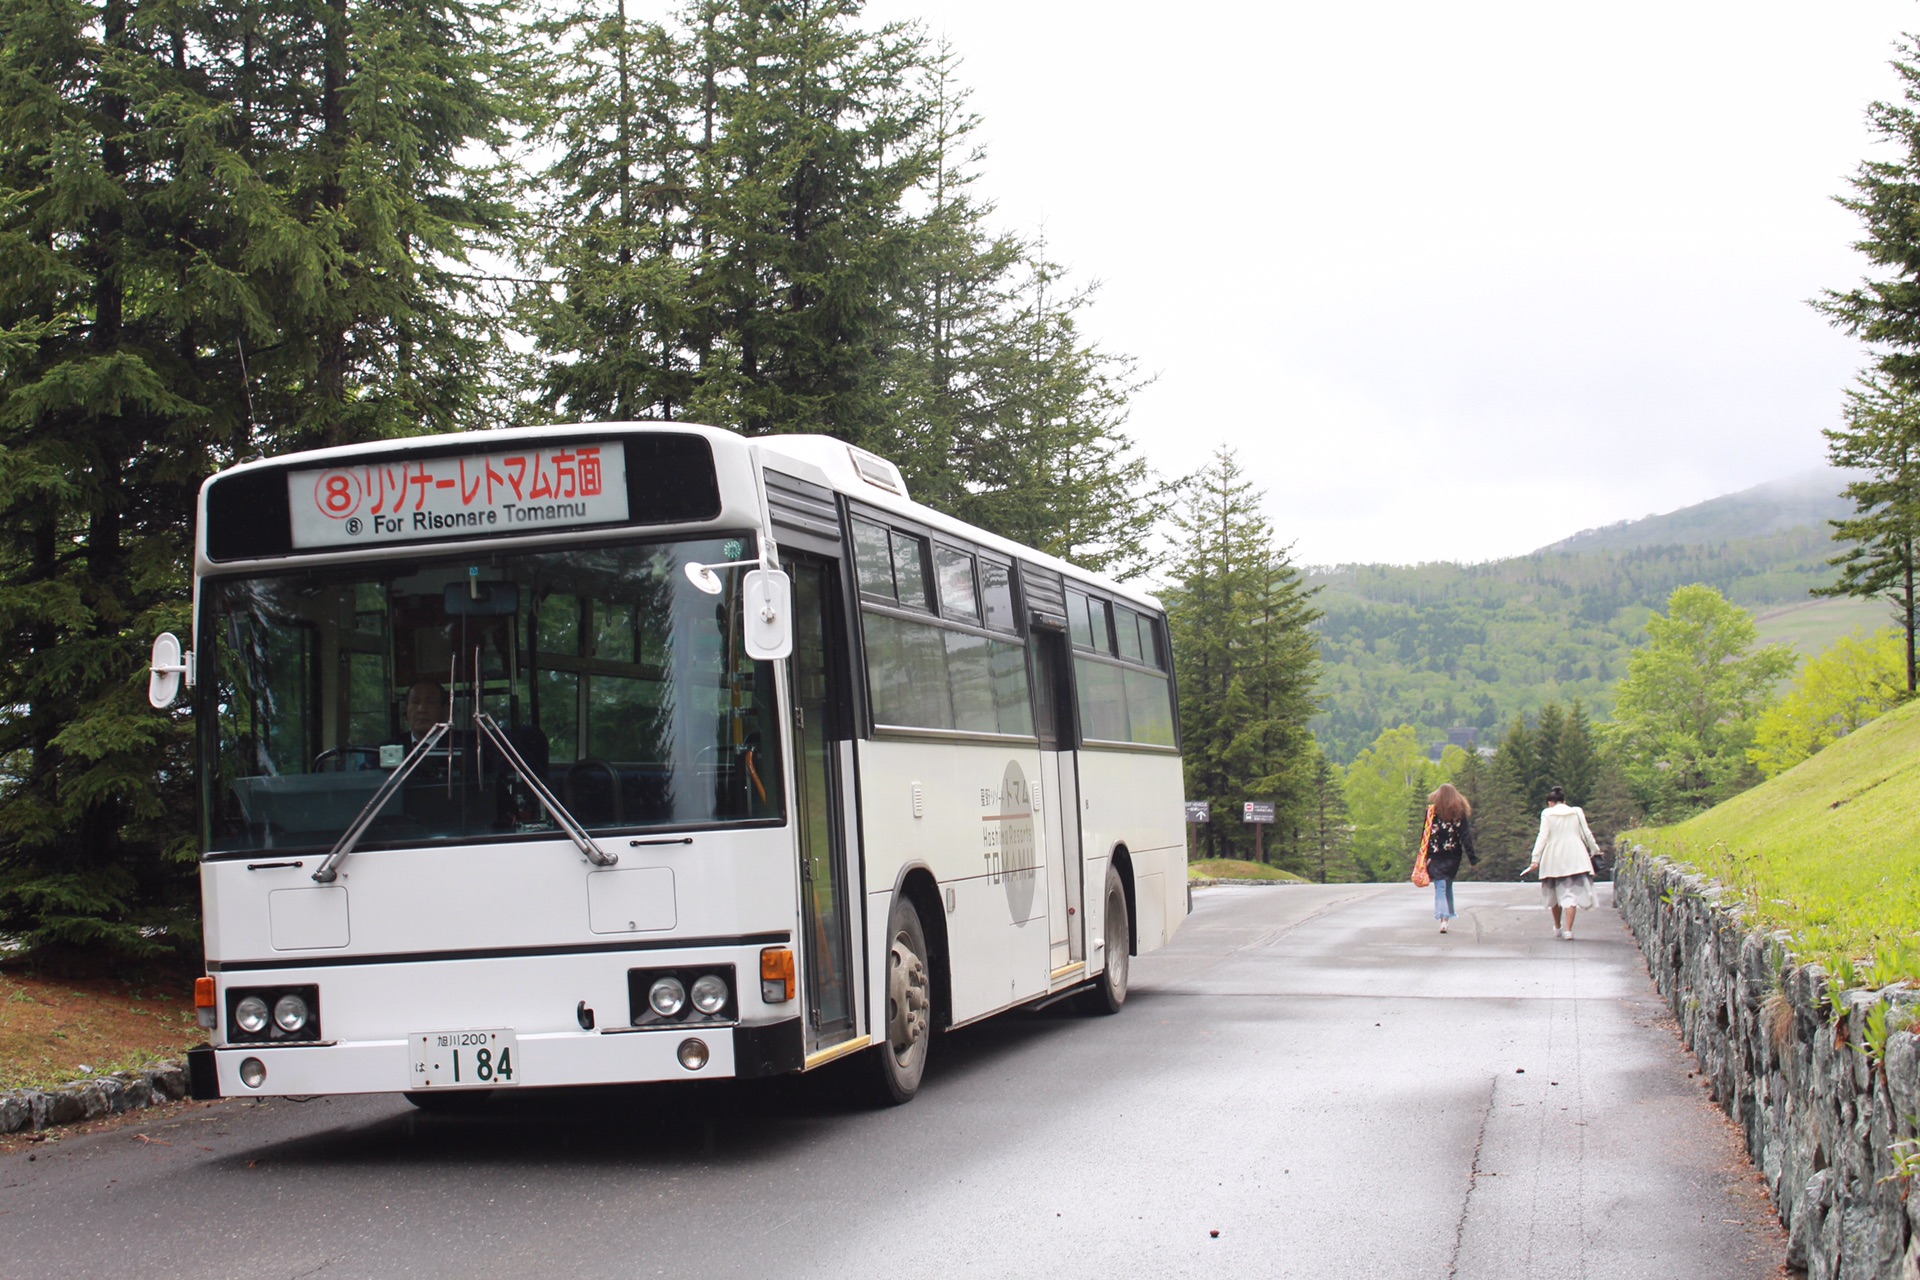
877	471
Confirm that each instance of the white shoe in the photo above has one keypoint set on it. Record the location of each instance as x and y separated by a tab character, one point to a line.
1443	926
1567	935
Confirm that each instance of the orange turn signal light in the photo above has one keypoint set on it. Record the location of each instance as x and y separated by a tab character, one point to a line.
776	975
204	997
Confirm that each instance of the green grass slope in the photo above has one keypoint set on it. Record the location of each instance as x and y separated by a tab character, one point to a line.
1238	869
1829	850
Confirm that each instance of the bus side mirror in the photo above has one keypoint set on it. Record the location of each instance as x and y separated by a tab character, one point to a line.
767	599
169	667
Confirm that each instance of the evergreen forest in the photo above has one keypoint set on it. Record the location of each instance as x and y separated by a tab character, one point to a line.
228	230
232	229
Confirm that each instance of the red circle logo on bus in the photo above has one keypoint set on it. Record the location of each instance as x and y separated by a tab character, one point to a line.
337	494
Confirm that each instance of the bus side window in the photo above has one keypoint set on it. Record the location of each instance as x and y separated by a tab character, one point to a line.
1078	626
954	572
873	560
910	569
996	591
1126	629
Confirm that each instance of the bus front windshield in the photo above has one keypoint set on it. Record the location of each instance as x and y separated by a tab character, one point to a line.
622	685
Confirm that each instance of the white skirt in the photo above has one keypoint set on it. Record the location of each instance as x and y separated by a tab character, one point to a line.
1568	891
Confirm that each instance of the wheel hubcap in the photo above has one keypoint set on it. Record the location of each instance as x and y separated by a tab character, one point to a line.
1117	956
907	1001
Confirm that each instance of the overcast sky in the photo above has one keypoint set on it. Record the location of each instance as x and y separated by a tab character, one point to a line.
1456	280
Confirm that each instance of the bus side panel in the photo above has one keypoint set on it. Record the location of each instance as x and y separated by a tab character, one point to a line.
998	944
1133	798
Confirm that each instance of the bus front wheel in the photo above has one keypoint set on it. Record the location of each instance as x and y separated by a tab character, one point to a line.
901	1058
1110	988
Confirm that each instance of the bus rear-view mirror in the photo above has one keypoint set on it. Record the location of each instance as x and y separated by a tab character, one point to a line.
169	667
767	599
477	599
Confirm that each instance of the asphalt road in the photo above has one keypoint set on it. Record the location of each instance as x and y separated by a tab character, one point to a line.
1315	1074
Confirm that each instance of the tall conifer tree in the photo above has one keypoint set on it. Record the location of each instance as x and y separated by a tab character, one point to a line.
1882	431
221	232
614	235
1241	618
1881	439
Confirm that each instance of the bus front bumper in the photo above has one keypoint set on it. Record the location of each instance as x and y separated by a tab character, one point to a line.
545	1060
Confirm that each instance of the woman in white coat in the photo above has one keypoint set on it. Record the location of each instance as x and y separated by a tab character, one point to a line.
1563	855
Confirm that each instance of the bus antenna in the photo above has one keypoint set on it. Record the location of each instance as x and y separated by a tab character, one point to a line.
246	382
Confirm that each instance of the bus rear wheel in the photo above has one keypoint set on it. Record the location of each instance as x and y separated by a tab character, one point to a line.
1110	988
901	1058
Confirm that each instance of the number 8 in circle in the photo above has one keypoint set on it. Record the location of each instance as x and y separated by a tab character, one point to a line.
336	494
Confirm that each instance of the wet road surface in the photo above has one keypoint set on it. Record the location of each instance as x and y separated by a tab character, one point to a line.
1315	1074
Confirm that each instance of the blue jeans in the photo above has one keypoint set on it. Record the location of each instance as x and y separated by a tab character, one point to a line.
1443	900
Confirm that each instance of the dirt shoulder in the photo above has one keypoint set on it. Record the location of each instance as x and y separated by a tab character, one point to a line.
54	1032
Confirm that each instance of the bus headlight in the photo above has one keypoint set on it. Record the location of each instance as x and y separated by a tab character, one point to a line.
667	997
274	1015
290	1012
709	993
250	1015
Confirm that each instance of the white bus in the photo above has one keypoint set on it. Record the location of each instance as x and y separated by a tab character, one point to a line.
645	752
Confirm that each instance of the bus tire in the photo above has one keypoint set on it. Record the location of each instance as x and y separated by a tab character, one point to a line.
1110	988
900	1059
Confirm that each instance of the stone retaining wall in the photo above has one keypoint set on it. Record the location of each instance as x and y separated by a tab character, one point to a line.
89	1099
1828	1118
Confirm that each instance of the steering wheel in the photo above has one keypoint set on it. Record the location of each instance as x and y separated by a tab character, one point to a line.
346	760
593	764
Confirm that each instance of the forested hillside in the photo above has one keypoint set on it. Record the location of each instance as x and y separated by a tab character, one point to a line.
1440	646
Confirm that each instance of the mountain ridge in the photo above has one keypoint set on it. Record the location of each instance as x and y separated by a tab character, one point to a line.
1810	497
1445	645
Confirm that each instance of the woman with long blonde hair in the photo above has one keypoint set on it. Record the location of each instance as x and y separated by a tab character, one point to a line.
1449	838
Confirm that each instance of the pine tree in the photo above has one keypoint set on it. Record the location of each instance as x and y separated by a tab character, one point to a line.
1549	730
1611	807
102	446
365	125
1055	469
811	139
615	239
949	378
1328	827
1506	810
220	233
1882	432
1240	617
1882	439
1282	665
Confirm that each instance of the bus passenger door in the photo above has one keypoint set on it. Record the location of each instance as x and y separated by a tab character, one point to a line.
814	677
1060	796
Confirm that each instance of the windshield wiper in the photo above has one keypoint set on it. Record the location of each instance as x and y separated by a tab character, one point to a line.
486	724
395	780
571	825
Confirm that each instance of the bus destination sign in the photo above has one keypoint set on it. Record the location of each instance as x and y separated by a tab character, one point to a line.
420	499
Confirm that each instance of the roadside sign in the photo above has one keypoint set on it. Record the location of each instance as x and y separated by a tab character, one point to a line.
1198	811
1257	811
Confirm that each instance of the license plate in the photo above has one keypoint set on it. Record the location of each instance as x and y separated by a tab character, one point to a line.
464	1059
